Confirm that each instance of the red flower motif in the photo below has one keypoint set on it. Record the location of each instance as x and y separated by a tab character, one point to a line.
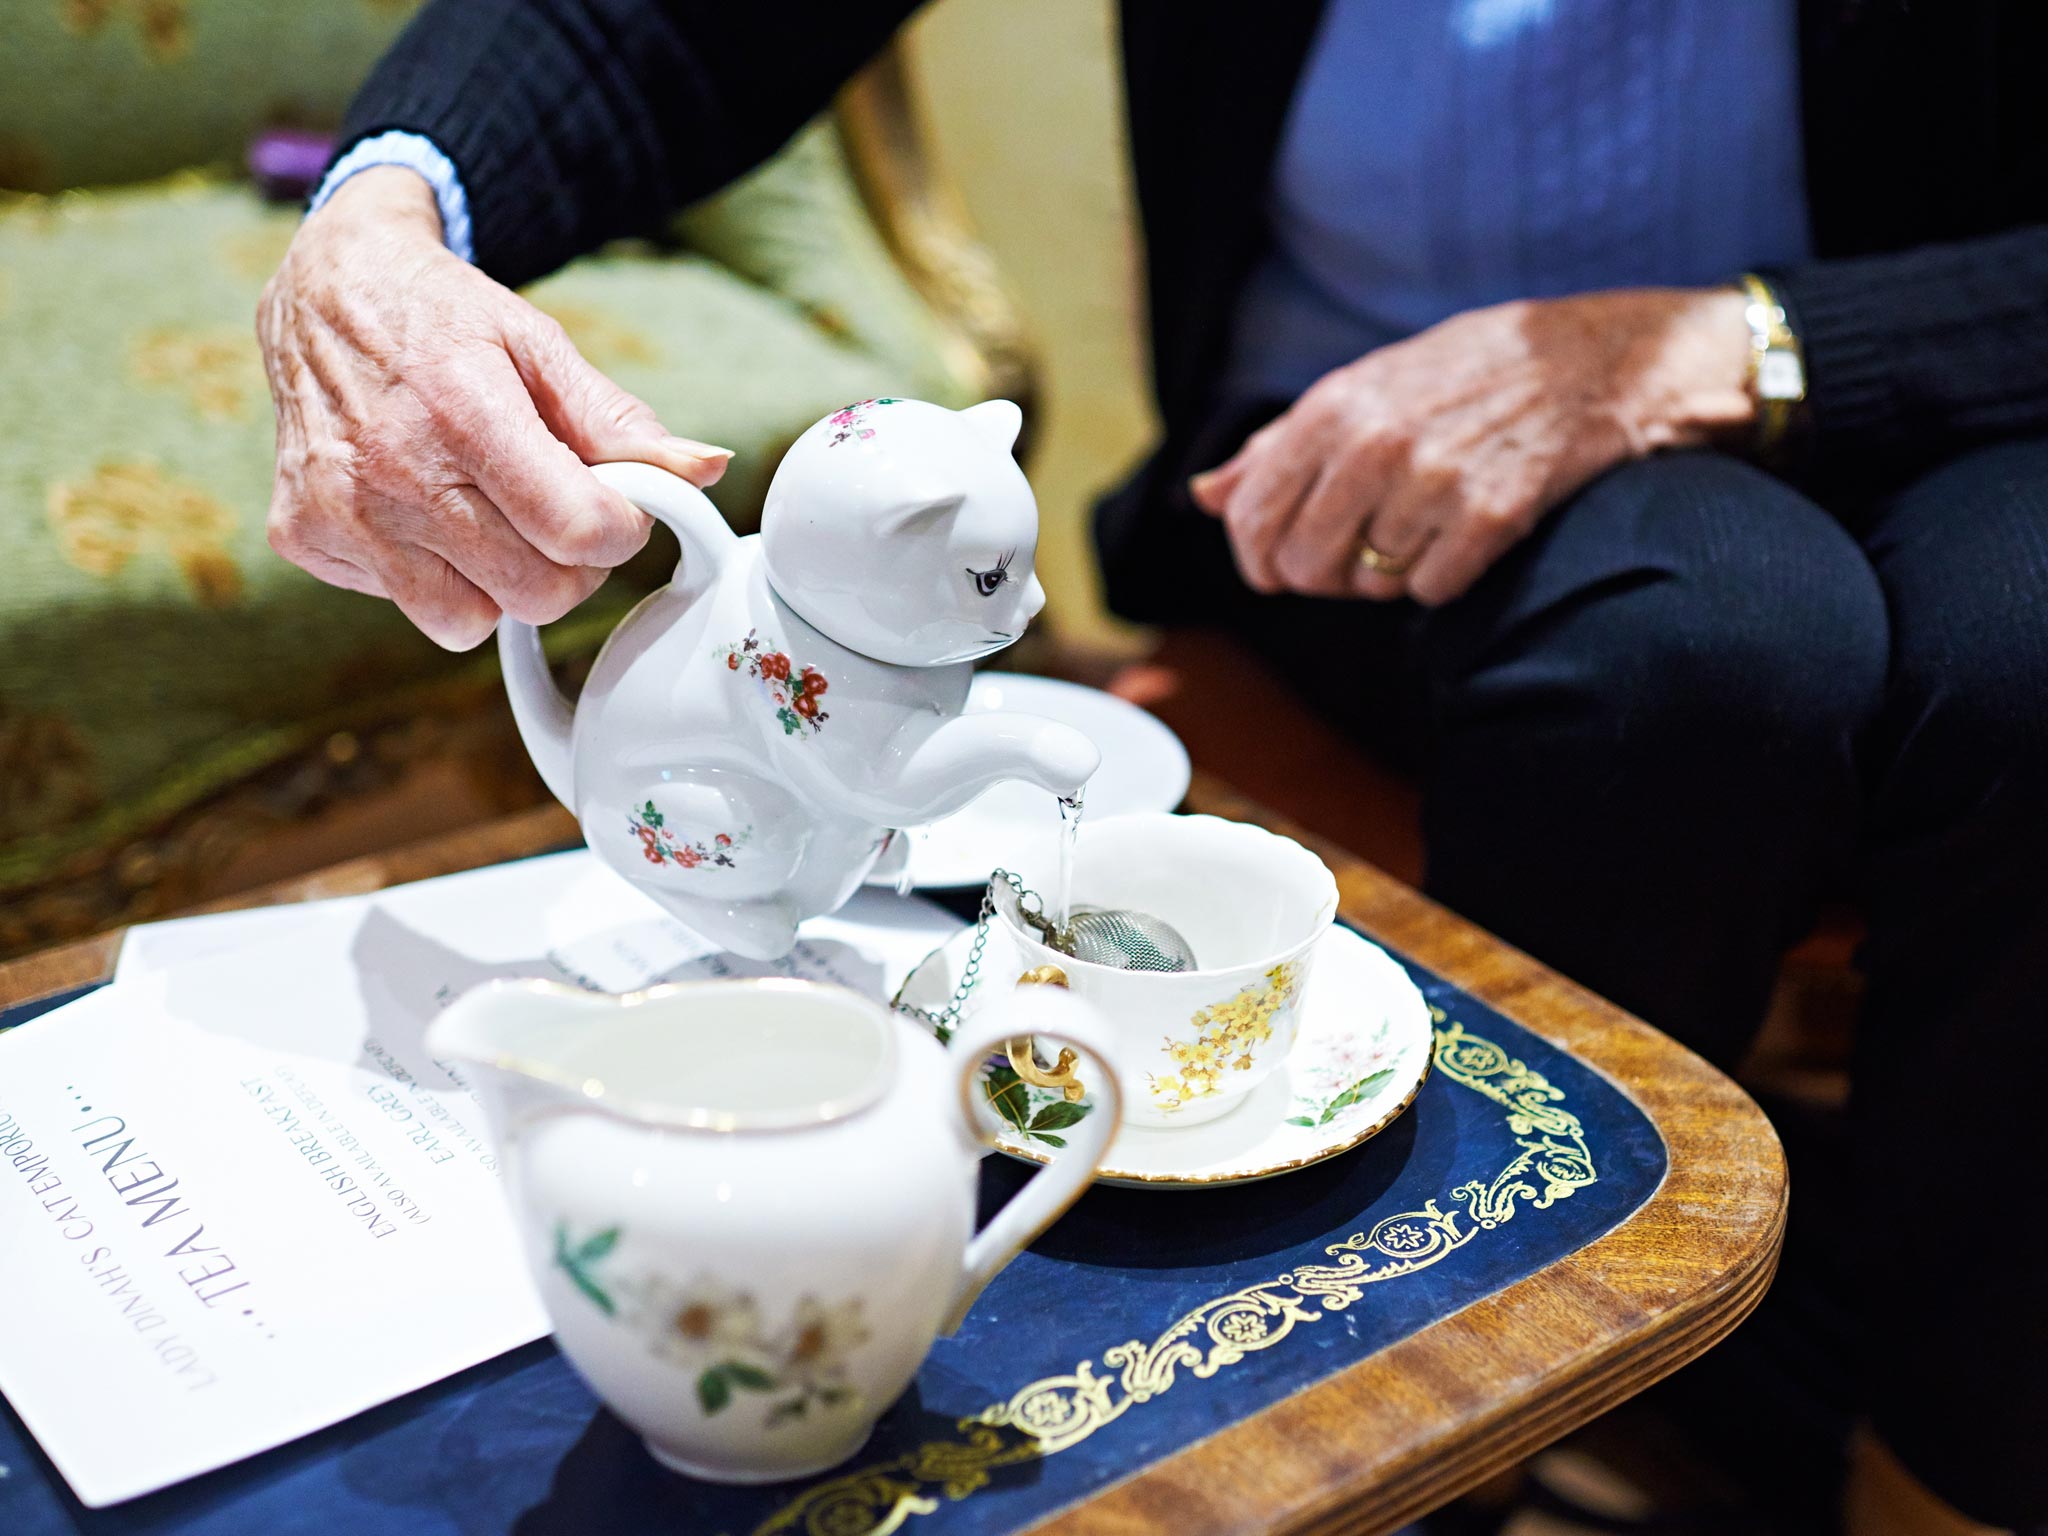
689	858
651	854
794	690
723	840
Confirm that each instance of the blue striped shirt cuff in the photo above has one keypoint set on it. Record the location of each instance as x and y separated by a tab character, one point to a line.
416	153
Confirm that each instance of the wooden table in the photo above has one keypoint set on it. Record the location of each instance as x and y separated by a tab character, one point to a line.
1441	1411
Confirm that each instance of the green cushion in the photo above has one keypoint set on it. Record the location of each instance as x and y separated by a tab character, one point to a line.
152	648
101	91
799	229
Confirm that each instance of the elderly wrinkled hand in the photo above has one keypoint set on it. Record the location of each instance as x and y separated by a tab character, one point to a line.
433	428
1413	469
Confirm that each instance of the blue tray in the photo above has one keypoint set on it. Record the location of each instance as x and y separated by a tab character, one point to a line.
1142	1322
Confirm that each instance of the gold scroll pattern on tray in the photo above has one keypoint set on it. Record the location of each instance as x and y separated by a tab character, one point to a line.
1050	1415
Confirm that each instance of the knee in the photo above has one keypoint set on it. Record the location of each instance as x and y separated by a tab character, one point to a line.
1750	628
1974	695
1964	560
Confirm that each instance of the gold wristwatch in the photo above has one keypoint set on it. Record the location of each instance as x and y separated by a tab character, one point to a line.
1777	367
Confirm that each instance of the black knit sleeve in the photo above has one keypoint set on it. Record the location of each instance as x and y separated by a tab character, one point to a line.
1914	355
571	122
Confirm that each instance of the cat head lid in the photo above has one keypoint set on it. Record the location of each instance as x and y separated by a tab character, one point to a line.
906	531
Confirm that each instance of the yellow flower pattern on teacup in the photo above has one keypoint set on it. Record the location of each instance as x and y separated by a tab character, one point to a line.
1227	1034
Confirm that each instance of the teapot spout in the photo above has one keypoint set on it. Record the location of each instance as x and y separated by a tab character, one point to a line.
970	753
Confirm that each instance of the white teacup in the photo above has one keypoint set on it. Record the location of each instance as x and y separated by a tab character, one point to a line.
1191	1045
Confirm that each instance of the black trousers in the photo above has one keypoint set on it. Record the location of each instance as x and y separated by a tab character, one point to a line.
1692	705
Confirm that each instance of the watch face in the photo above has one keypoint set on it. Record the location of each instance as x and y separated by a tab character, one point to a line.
1779	376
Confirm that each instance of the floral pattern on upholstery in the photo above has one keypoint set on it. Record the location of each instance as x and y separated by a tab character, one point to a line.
256	252
104	521
106	93
219	370
165	26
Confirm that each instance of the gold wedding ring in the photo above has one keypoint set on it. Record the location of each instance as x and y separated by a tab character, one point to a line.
1386	565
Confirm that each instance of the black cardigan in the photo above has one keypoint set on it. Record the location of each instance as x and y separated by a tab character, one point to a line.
1924	311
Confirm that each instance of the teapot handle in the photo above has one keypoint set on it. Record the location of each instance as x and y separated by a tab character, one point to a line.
1035	1010
546	719
708	543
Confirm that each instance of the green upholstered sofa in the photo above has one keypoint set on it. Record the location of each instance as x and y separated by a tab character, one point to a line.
169	689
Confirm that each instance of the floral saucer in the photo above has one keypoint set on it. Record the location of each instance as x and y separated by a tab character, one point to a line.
1365	1047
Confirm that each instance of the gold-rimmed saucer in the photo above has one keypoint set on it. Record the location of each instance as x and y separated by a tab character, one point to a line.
1364	1050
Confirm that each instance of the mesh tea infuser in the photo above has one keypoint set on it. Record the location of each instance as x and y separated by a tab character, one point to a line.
1120	938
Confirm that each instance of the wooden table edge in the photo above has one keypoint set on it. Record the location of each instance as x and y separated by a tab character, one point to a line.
1356	1452
1353	1454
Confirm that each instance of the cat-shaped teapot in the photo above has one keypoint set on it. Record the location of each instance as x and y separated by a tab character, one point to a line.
752	734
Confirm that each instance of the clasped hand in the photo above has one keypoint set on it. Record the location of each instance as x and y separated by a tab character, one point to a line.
1439	453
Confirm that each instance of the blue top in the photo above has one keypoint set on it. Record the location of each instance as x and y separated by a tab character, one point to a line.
1441	155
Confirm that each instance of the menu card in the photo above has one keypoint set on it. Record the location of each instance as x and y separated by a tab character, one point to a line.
238	1199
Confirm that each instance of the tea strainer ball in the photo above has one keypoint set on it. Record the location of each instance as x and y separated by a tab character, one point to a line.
1126	941
1119	938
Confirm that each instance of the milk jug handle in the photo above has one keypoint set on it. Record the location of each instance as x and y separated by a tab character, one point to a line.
545	717
1048	1012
